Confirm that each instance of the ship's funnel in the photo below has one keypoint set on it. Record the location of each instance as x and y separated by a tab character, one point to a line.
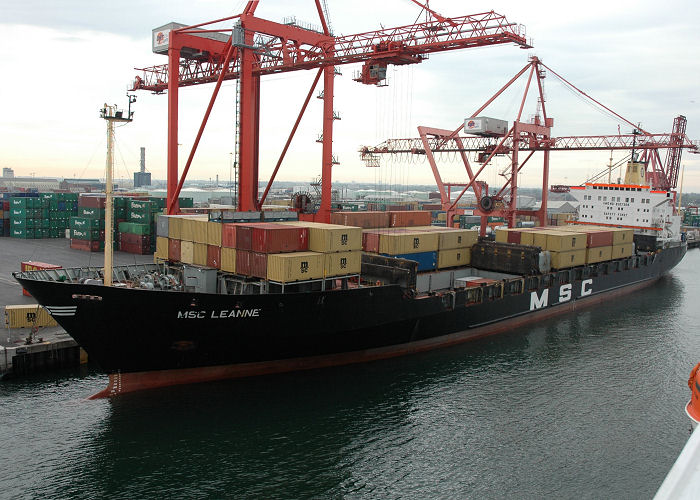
636	173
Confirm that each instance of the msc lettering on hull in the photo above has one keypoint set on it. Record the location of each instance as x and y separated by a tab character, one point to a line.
565	294
235	313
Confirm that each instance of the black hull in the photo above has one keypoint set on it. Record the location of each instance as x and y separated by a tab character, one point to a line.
133	330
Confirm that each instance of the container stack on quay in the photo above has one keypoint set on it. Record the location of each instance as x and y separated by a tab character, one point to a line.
87	228
134	222
574	245
39	215
4	217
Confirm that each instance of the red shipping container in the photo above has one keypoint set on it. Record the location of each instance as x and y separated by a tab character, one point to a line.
365	220
409	218
135	243
277	238
34	266
85	245
213	256
599	239
174	250
92	200
258	265
228	235
243	262
370	241
5	205
514	237
244	234
432	206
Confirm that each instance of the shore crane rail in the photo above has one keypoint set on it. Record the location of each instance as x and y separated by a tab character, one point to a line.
257	47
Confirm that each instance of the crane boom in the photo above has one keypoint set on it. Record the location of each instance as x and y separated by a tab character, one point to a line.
281	48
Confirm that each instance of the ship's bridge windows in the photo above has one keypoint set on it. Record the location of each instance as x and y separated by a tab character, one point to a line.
627	200
598	198
605	198
632	200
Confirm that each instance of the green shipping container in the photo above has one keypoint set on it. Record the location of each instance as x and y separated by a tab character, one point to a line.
86	223
134	228
85	234
140	205
23	233
92	213
140	216
19	213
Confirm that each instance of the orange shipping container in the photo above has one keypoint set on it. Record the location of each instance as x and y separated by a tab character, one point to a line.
409	218
365	220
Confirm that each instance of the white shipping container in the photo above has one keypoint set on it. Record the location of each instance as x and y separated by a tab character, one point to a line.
482	125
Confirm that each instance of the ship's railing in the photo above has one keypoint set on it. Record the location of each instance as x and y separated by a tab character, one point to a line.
121	274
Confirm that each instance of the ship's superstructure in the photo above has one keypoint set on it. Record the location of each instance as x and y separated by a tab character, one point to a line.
633	204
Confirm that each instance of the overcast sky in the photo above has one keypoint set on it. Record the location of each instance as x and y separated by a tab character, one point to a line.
62	60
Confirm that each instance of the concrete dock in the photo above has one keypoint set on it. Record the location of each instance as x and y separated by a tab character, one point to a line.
49	347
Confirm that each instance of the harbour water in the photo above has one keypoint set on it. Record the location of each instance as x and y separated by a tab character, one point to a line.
586	405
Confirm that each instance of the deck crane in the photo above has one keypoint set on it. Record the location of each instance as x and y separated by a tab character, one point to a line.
205	53
531	137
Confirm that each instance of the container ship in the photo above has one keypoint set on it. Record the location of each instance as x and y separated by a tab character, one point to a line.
227	299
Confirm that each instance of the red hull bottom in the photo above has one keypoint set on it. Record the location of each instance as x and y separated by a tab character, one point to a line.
122	383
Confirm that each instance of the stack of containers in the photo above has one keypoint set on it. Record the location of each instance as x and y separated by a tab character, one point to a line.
336	248
135	233
2	217
25	216
284	252
432	247
61	206
574	245
5	219
87	227
278	247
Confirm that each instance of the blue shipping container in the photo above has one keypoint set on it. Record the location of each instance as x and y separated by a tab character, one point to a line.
427	261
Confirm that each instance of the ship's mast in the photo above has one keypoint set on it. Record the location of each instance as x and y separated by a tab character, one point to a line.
111	114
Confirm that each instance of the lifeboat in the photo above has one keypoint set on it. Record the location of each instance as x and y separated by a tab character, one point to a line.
692	409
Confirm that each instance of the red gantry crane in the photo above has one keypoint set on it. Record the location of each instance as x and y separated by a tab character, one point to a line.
255	47
530	137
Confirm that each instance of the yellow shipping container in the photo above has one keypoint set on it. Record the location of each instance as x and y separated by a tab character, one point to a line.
295	266
622	235
191	227
457	238
324	238
175	228
598	254
161	248
228	259
27	316
409	242
342	263
454	257
187	252
442	216
621	251
565	241
540	238
200	254
572	258
527	237
199	230
214	230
